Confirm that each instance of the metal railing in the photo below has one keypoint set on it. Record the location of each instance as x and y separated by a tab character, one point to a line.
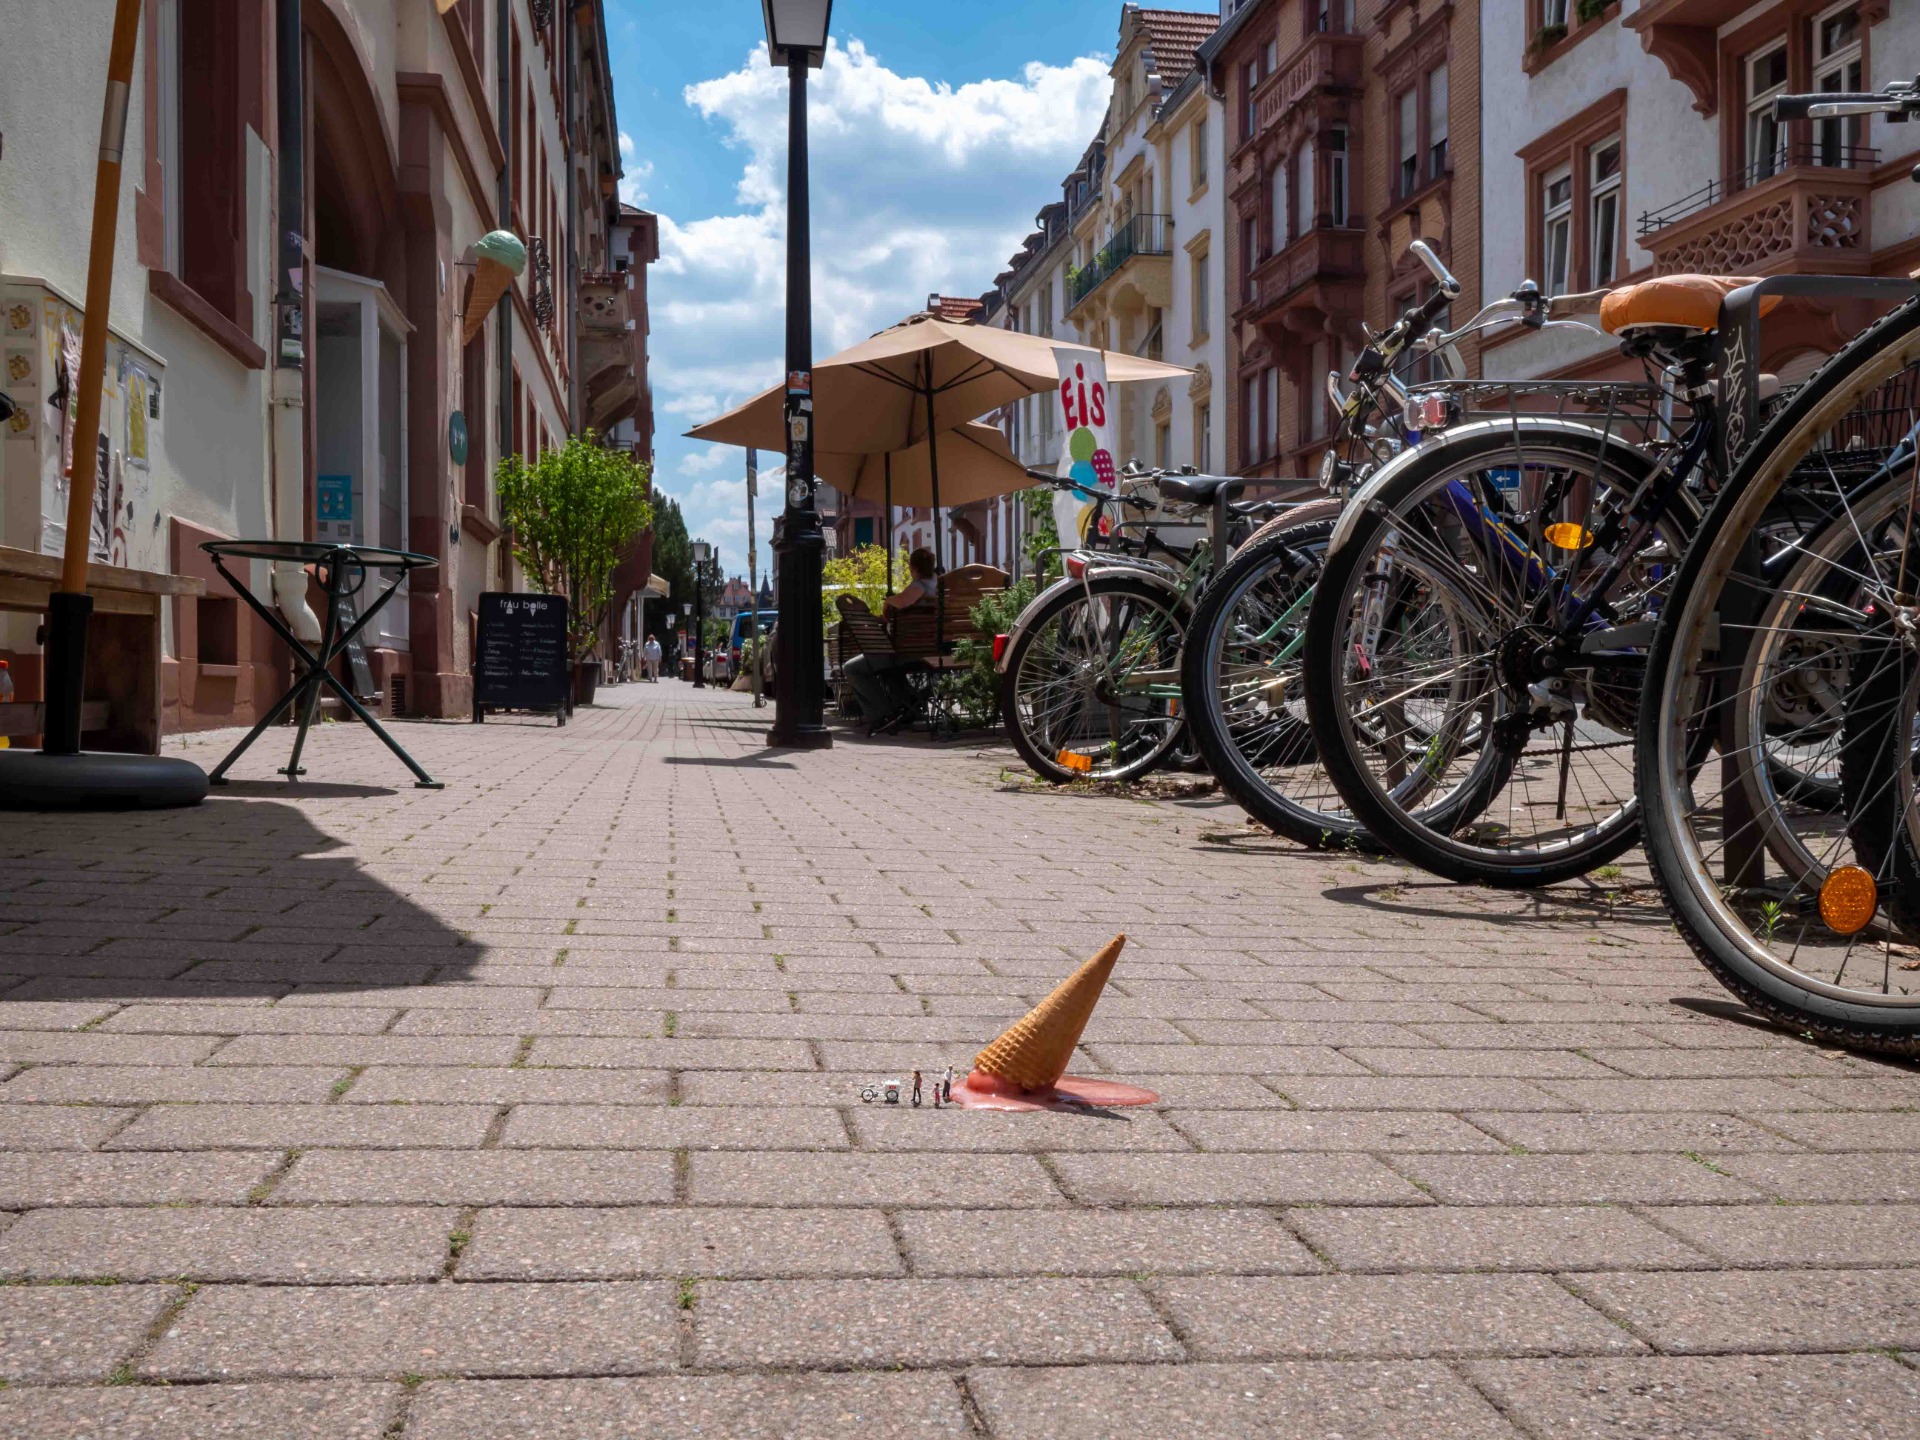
1142	235
1774	162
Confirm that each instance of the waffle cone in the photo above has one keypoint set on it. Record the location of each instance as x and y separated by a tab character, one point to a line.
490	281
1033	1051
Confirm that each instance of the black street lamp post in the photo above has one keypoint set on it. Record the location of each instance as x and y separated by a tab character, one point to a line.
702	552
797	39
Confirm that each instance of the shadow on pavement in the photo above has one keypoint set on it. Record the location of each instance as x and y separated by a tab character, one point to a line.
237	897
299	790
755	762
1548	903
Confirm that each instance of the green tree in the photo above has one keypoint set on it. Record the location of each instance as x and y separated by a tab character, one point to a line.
862	571
573	513
672	562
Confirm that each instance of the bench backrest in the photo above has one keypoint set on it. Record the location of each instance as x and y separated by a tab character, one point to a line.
919	631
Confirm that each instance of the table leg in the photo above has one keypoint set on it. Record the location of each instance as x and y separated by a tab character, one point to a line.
330	645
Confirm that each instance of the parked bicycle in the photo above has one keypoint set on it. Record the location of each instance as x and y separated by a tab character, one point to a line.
1798	885
1090	672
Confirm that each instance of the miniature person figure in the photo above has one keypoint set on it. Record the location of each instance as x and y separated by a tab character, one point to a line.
916	1089
936	1094
947	1085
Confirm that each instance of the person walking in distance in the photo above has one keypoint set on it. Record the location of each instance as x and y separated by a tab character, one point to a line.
650	657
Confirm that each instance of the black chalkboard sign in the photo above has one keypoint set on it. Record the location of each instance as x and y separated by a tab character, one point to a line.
521	656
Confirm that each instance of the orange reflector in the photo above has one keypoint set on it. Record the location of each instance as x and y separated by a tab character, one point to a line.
1569	536
1848	900
1069	760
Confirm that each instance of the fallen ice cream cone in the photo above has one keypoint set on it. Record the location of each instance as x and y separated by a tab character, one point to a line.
1032	1053
501	258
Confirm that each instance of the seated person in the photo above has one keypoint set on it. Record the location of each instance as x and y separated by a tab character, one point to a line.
879	681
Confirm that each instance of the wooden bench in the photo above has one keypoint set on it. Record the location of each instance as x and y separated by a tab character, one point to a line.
121	709
919	633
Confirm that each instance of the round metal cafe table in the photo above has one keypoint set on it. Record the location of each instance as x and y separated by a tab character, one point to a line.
344	573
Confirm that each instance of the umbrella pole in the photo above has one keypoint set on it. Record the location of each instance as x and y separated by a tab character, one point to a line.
70	608
888	460
939	548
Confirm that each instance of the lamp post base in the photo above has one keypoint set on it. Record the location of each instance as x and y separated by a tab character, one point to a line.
799	682
91	780
800	737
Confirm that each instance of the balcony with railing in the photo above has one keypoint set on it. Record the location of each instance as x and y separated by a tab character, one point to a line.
1144	237
1326	60
1317	276
1799	209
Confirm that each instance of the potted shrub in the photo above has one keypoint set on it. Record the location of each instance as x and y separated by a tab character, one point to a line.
571	514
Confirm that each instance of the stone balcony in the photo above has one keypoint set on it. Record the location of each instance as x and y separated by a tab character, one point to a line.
1138	255
1324	61
605	302
1318	277
1802	218
612	346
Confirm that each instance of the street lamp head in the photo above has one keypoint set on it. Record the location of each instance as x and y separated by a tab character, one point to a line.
797	26
702	552
686	608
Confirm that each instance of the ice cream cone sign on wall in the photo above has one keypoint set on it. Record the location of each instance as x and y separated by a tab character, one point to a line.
501	257
1033	1051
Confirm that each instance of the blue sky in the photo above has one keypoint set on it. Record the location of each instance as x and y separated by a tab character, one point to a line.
938	130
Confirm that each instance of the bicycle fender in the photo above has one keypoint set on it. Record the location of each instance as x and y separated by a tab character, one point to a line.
1543	426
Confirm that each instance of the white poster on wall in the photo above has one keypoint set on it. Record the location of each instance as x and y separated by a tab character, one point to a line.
1086	412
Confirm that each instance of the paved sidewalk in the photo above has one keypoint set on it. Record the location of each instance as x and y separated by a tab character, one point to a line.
530	1108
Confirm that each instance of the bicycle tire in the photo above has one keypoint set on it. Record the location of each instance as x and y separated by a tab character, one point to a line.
1235	749
1723	942
1430	836
1043	755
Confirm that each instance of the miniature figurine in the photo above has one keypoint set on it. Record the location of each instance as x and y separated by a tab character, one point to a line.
947	1085
916	1089
936	1094
890	1091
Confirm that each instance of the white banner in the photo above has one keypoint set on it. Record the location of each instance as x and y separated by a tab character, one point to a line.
1086	413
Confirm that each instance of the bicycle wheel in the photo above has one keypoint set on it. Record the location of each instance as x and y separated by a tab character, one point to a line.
1090	689
1471	719
1746	872
1240	679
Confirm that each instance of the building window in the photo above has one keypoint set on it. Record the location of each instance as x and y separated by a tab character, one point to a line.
1163	445
1250	419
1337	174
203	203
1437	126
1249	77
1303	188
1270	430
1313	395
1554	12
1766	137
1333	16
1277	192
1407	142
1202	300
1199	153
1556	199
1838	66
1603	210
1249	244
1203	436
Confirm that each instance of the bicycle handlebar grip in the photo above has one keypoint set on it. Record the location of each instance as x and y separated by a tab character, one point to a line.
1799	107
1585	303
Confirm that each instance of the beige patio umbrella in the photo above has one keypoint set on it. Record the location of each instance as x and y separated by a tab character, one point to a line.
916	380
976	463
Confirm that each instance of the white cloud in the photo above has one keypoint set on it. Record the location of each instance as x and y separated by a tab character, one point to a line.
916	187
634	174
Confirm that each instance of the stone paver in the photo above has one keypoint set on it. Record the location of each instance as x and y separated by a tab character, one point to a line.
1705	1399
392	1331
739	1407
312	1410
532	1105
1417	1400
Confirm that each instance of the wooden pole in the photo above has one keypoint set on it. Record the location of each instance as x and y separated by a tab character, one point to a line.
93	336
